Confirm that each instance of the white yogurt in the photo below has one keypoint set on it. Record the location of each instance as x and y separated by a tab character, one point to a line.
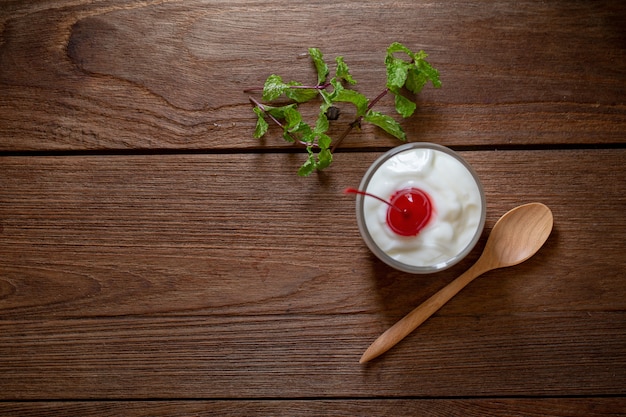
457	198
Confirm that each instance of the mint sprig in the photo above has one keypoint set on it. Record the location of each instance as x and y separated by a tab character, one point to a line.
407	72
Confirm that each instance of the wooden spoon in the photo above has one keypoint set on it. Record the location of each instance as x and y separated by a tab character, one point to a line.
516	236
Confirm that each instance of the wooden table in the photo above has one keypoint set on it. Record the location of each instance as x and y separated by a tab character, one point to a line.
157	260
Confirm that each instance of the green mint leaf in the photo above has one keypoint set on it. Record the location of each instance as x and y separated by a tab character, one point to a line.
426	69
324	141
343	72
326	98
397	72
404	106
324	159
414	74
294	123
322	124
354	97
405	70
307	168
317	162
326	104
303	129
386	123
309	165
292	117
300	95
288	137
337	88
420	73
273	87
398	47
320	66
418	70
261	124
320	161
279	112
416	80
397	68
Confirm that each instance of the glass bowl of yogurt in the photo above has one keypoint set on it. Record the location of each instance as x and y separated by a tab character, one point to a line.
425	209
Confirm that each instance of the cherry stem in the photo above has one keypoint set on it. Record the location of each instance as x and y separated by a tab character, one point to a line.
351	190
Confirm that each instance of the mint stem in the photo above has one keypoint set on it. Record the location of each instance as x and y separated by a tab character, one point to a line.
278	122
357	121
345	133
312	87
262	107
377	99
306	87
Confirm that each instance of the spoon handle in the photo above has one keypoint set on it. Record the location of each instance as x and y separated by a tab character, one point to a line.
420	314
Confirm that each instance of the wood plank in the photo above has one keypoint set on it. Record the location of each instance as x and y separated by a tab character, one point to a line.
155	277
162	75
312	356
570	407
110	236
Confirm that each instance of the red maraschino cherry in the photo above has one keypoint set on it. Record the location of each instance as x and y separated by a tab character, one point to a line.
410	209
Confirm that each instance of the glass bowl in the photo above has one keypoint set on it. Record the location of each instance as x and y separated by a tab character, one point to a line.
458	207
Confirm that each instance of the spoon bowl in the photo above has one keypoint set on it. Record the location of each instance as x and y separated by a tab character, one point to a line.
515	237
519	234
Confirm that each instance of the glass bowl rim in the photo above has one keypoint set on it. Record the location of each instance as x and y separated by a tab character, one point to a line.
370	241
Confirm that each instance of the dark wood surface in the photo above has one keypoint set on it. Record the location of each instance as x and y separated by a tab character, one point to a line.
156	260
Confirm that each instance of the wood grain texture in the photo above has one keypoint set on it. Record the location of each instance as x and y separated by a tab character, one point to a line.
155	259
170	74
142	230
577	407
119	273
312	356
